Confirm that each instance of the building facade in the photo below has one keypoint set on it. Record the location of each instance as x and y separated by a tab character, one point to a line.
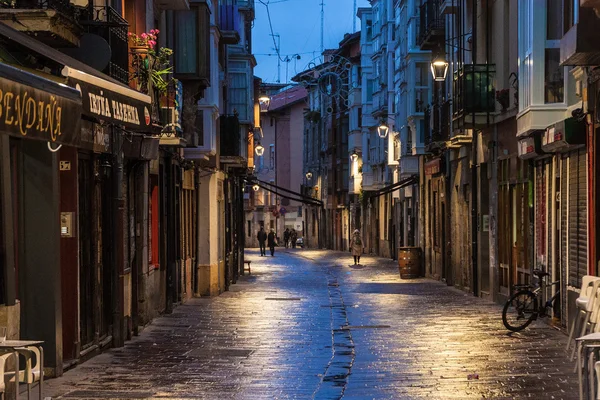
129	208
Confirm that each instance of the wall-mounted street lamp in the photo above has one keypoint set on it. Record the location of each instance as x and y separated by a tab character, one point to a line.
259	149
264	101
439	68
309	175
255	187
383	129
354	156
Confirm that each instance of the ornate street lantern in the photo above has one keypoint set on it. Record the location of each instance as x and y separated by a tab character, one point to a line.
255	187
259	150
383	129
354	156
309	175
264	101
439	69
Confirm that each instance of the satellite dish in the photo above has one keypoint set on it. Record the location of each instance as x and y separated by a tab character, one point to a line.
93	50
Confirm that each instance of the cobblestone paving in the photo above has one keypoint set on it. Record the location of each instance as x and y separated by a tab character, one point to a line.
306	325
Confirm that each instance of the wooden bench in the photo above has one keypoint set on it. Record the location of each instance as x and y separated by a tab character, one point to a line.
248	267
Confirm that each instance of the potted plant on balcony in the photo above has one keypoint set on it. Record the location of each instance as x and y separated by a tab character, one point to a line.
151	66
141	44
502	97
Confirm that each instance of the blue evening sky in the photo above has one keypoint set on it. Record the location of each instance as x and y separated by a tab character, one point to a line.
298	22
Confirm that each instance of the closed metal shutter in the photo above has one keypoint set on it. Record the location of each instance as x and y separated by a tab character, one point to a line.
577	209
540	216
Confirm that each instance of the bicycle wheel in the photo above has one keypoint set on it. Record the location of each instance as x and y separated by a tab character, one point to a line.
520	310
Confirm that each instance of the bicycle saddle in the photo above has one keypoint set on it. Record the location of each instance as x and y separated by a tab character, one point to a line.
539	273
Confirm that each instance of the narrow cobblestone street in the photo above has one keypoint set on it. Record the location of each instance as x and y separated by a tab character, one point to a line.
305	324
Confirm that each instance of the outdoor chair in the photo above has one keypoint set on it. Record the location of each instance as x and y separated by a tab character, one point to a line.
587	347
32	371
3	363
585	305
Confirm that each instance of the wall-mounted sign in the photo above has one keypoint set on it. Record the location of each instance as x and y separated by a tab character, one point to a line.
37	108
563	135
65	165
433	167
110	102
529	147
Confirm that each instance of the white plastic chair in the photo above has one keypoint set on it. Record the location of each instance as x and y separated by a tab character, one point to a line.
3	361
32	372
585	305
588	345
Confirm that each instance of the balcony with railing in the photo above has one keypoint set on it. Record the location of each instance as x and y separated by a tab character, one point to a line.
53	22
474	96
437	126
107	23
431	25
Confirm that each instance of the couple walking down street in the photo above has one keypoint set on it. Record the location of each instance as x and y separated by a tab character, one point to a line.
270	239
290	237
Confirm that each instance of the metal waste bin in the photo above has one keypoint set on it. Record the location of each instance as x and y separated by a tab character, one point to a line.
409	262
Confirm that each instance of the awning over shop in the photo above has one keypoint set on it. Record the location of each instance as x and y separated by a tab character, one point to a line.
411	180
103	98
109	101
37	108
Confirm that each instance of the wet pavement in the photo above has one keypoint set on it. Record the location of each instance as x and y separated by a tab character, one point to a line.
307	325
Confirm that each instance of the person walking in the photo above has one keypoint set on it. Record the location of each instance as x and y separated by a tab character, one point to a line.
271	241
286	237
356	246
294	237
262	238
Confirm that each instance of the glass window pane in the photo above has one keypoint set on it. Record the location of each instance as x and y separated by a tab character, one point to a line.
554	29
554	80
186	52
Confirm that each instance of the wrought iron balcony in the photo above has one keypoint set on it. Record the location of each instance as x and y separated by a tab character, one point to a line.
437	126
474	96
431	26
107	23
53	22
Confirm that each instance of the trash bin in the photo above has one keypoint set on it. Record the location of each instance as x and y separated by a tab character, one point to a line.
409	262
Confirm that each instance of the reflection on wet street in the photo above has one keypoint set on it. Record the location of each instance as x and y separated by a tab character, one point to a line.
305	324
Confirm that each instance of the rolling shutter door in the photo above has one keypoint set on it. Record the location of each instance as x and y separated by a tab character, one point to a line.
577	217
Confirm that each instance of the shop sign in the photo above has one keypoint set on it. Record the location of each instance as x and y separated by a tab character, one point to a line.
564	134
527	148
111	106
31	112
433	167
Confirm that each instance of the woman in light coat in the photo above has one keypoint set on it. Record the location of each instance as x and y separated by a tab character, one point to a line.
357	246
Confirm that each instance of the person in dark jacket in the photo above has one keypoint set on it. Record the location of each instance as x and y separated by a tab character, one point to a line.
293	238
286	237
262	238
272	241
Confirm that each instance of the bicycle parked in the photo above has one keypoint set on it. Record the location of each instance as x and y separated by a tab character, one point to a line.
522	308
